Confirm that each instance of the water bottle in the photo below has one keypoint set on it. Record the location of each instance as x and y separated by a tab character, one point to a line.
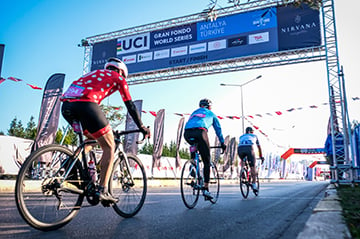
92	171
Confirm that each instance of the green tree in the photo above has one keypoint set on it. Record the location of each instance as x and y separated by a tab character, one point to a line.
147	149
113	115
70	138
16	128
30	131
168	150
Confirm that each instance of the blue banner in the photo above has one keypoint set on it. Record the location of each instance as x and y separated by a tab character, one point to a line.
173	36
101	52
298	27
237	24
245	34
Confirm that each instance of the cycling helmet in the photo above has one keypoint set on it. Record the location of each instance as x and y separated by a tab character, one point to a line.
249	130
205	102
118	64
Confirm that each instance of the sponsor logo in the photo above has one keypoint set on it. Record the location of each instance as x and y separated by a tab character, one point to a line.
238	41
179	51
261	22
197	48
133	43
144	57
216	45
161	54
298	27
259	38
129	59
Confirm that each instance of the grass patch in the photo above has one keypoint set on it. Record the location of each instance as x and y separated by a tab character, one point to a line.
350	202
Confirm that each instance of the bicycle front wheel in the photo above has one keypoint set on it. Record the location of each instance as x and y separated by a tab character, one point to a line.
214	183
47	200
244	183
128	184
189	186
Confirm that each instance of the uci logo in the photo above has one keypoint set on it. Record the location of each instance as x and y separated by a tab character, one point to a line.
133	43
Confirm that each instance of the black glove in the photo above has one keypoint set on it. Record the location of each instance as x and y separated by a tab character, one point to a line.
145	131
262	160
223	146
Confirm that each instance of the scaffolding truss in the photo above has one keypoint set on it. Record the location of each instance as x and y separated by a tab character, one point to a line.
343	170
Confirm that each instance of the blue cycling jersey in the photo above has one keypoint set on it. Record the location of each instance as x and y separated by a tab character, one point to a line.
205	118
248	139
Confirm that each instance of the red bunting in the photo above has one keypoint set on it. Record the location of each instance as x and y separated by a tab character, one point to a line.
34	87
153	113
18	80
14	79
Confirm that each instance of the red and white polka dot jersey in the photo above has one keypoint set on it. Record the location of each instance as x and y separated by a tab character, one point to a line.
97	85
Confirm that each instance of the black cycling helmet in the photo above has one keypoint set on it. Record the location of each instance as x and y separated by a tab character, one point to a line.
249	130
118	64
205	102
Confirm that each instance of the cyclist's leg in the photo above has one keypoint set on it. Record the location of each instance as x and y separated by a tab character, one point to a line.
204	149
251	158
190	137
242	155
94	122
107	145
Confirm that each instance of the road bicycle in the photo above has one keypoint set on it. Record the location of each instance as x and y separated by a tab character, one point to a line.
191	181
53	181
246	178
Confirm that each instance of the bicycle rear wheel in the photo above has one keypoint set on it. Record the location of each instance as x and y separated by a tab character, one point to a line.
45	199
189	186
214	183
129	185
244	183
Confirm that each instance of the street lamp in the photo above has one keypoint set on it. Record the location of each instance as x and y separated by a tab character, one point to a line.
242	100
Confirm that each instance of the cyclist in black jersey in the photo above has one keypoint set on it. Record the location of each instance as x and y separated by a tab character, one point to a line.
196	132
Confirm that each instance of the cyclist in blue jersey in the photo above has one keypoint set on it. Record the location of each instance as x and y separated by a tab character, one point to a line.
196	130
246	149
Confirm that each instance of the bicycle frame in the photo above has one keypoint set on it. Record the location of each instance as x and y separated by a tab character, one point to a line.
192	181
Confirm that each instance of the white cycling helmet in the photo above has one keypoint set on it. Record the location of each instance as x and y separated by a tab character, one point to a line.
118	64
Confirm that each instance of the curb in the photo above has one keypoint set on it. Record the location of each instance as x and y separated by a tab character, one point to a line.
326	221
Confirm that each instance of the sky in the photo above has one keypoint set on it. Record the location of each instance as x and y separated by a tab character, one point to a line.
41	38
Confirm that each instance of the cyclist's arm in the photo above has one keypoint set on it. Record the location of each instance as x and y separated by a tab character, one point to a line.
259	148
217	127
130	106
134	113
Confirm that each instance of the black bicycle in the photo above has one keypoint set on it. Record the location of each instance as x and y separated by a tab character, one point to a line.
53	181
191	181
245	180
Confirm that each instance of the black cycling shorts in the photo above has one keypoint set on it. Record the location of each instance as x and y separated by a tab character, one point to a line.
89	114
247	151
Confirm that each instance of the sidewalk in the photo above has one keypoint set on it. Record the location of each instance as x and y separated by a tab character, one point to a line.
326	221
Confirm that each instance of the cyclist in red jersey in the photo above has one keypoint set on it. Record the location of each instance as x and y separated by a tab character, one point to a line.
81	103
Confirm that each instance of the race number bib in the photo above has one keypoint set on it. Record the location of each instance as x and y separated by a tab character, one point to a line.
74	91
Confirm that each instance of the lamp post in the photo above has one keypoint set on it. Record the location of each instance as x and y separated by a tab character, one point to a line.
242	100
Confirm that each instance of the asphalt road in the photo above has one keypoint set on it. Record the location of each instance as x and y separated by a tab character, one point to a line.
280	211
